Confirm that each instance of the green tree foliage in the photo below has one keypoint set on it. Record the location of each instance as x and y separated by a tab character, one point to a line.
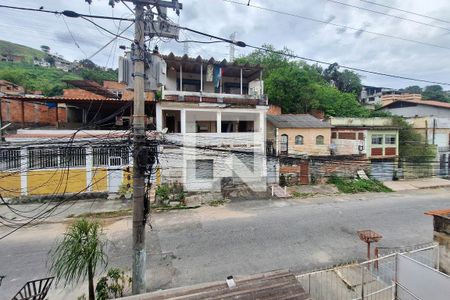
345	81
79	254
435	92
299	87
413	89
87	63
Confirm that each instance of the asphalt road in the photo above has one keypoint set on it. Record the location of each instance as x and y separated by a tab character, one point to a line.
207	244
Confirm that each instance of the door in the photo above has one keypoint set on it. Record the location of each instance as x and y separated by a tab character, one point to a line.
284	145
304	172
115	174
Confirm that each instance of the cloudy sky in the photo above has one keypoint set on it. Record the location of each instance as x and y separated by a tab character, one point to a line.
322	41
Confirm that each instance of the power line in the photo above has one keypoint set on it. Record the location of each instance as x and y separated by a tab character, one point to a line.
67	13
405	11
338	25
242	44
72	36
389	15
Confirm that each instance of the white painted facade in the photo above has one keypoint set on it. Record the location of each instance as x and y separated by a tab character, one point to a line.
201	161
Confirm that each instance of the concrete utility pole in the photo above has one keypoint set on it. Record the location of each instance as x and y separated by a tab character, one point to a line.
139	218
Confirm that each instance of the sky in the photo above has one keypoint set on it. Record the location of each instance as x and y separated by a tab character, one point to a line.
322	41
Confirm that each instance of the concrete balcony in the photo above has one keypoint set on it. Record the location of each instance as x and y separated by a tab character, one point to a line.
226	140
204	97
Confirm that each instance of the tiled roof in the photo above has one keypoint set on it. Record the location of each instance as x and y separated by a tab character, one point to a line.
420	102
297	121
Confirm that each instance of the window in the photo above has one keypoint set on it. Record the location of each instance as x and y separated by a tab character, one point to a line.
299	140
390	139
47	158
204	169
320	140
72	157
43	158
9	159
377	140
102	155
284	144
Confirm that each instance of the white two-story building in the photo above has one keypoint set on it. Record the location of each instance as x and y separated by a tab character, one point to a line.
213	115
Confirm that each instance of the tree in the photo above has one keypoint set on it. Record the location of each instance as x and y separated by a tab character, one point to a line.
412	146
87	63
299	87
45	49
79	253
434	92
413	89
346	81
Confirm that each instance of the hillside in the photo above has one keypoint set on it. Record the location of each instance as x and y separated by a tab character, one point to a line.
16	49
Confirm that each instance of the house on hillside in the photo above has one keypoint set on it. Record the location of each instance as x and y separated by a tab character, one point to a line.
9	88
11	58
374	138
214	114
298	135
417	108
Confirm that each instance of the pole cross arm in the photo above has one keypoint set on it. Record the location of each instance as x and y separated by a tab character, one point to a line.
169	4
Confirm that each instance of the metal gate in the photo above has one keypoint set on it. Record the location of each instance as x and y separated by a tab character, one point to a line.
115	174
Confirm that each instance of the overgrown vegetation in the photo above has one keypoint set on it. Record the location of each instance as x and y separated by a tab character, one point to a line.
103	214
48	80
352	186
166	193
300	88
114	285
412	145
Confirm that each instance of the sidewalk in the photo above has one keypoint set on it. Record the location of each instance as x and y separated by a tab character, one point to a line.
415	184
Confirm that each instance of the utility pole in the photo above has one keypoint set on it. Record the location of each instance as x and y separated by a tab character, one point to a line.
141	207
139	217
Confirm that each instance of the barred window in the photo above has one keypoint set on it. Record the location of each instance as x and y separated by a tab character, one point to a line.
43	158
72	157
9	159
102	155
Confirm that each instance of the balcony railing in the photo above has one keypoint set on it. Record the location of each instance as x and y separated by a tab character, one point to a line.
198	97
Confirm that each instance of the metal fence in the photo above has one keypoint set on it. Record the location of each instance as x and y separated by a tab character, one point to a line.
369	280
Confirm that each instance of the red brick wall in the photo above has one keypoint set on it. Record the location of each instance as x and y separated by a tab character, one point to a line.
35	114
274	110
390	151
376	152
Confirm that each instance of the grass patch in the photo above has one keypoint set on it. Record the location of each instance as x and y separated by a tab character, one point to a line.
302	195
103	214
350	186
216	203
160	208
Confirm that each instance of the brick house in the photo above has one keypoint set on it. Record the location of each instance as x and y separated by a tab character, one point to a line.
374	138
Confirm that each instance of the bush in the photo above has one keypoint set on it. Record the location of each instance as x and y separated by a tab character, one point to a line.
113	285
358	185
163	192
